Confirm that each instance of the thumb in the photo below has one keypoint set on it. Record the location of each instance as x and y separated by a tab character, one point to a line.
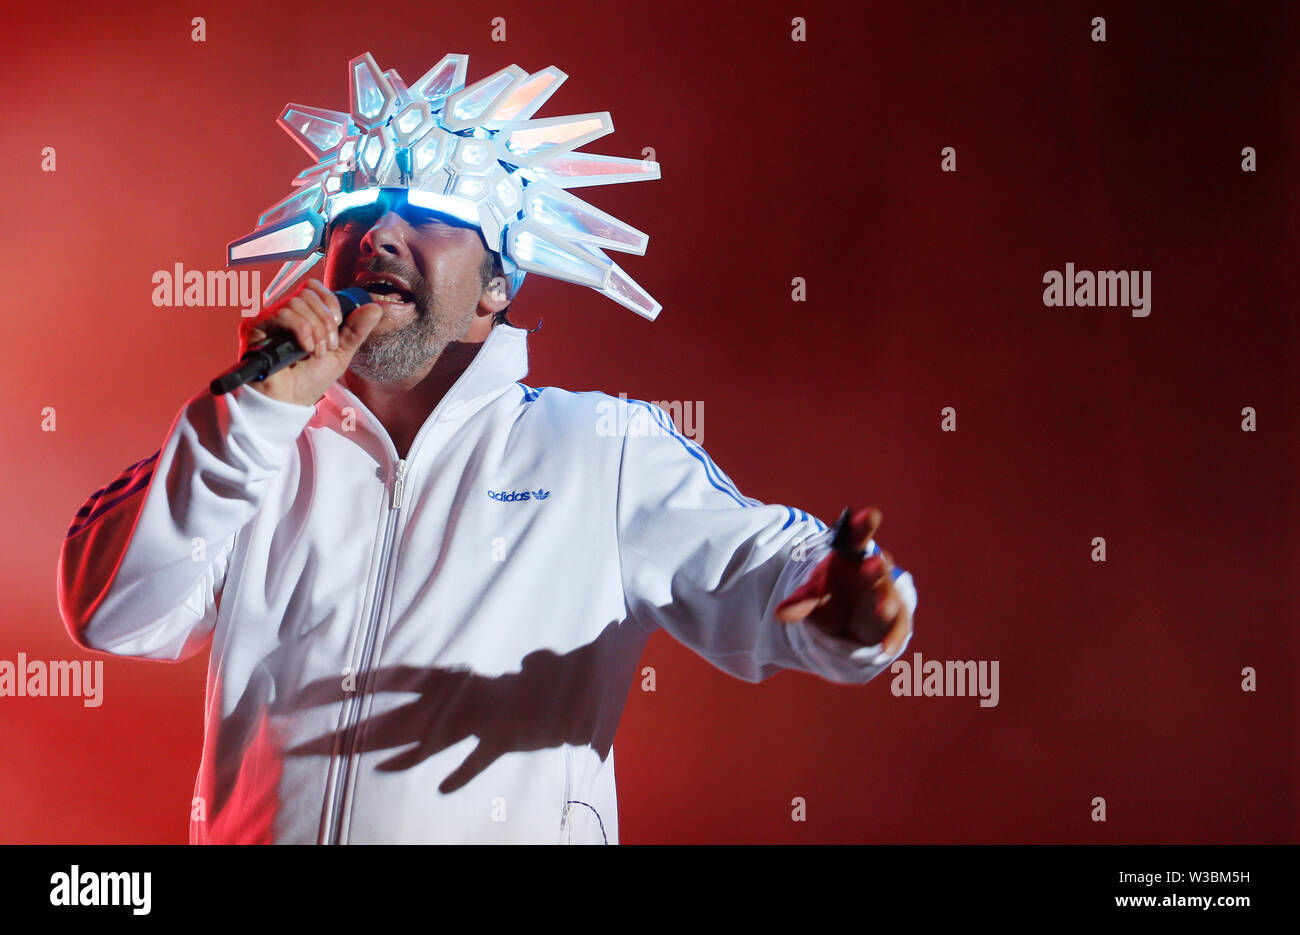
357	327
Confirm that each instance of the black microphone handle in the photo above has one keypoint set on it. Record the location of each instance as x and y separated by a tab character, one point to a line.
279	350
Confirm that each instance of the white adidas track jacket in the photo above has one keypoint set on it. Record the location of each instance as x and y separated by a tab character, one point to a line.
436	648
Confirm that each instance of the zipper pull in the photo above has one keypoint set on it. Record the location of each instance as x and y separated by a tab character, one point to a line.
397	484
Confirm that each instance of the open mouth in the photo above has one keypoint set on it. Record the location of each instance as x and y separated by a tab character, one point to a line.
387	293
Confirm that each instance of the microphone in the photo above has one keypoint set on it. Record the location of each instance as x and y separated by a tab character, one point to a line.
279	350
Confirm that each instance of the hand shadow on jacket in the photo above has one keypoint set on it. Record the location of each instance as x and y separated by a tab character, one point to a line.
574	698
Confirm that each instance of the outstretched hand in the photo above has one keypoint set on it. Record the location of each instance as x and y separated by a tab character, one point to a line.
852	596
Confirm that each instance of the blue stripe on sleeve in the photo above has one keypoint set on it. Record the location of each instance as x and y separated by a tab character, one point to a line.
716	477
697	453
100	509
715	474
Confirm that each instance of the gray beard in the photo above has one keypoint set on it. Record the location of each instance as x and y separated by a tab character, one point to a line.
401	354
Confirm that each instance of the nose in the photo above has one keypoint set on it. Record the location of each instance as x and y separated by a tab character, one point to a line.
386	235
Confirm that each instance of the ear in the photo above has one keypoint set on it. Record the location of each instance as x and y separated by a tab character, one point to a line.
495	295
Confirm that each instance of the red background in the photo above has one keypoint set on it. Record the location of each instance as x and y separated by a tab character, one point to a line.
780	159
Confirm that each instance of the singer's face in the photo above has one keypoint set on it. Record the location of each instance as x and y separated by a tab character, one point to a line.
426	270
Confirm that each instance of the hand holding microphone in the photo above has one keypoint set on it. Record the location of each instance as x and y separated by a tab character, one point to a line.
302	344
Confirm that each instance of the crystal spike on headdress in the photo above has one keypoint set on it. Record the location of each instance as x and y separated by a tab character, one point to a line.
472	152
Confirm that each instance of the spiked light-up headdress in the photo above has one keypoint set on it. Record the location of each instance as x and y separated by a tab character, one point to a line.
471	152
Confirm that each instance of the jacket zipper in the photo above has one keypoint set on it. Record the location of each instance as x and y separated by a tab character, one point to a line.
352	710
334	823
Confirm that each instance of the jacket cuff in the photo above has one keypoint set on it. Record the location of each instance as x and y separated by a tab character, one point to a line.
261	430
843	659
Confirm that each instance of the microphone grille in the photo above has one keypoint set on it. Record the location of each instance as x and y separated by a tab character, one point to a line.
351	299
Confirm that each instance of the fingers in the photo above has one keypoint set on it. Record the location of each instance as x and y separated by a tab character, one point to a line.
312	316
890	611
856	600
346	336
850	577
898	632
863	525
854	530
883	613
479	759
298	318
319	308
853	596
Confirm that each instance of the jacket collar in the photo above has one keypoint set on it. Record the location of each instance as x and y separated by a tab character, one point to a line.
500	362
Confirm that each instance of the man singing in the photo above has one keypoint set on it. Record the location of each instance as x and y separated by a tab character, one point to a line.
424	584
